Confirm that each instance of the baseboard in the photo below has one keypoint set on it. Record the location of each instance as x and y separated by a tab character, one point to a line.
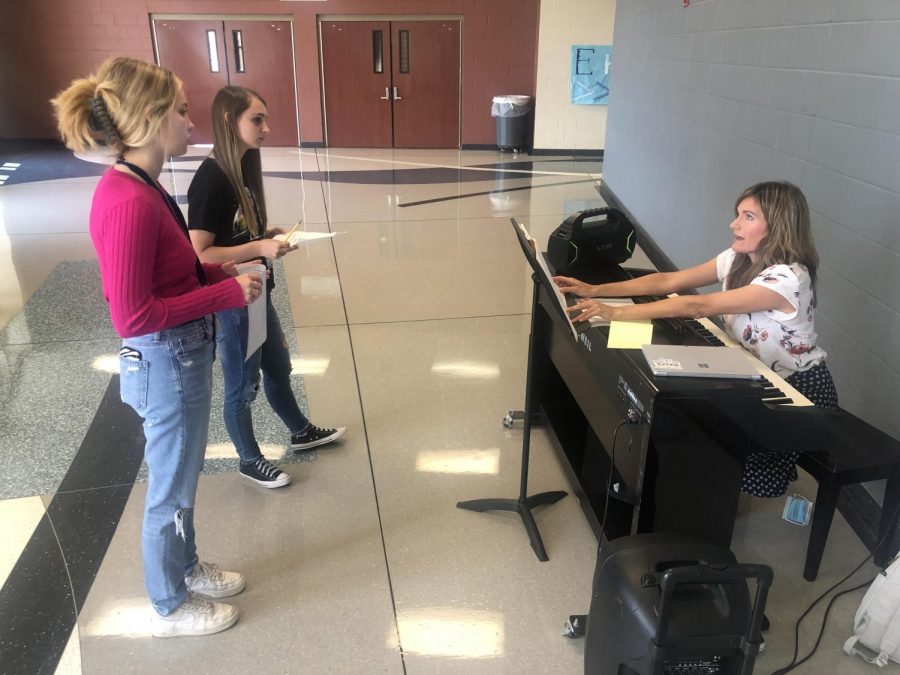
598	154
479	146
19	144
568	151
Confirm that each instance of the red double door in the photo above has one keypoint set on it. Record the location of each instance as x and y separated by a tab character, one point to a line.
391	83
208	54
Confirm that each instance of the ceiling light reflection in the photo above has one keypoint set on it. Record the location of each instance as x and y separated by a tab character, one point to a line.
445	631
468	370
327	286
459	461
220	450
121	618
309	365
106	363
269	450
227	451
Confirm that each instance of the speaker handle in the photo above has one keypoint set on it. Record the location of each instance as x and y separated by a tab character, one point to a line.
577	218
709	574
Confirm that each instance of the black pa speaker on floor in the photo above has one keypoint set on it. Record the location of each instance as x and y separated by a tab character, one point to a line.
666	605
591	238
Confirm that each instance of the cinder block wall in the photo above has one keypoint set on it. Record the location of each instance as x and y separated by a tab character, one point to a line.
559	123
710	98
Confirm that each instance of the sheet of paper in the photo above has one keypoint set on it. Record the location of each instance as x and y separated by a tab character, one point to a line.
630	334
560	298
256	323
299	237
612	302
529	239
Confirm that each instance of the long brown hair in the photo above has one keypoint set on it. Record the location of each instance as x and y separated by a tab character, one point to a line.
122	105
789	238
228	105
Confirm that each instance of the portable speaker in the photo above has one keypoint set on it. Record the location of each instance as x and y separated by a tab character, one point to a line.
591	238
663	604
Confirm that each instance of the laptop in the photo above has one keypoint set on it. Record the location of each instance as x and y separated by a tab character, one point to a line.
695	361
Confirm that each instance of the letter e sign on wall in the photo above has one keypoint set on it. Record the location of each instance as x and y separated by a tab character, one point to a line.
590	74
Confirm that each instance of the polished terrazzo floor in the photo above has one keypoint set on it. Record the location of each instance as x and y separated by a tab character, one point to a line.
410	327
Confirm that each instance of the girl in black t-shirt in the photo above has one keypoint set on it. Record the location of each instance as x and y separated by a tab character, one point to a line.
227	220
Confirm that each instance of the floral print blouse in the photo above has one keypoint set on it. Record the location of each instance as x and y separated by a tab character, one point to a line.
785	342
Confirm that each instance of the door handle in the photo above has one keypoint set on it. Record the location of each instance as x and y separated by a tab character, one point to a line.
396	96
387	94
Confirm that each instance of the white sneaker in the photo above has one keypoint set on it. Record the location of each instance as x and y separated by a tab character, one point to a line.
208	580
194	616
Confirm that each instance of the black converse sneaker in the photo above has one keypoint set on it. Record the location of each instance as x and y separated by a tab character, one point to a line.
313	437
264	473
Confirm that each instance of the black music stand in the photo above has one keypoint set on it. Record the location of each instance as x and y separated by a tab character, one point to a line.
523	504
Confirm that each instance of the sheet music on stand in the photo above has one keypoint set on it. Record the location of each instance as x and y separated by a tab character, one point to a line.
539	265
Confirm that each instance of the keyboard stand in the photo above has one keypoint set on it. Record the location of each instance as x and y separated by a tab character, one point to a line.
524	504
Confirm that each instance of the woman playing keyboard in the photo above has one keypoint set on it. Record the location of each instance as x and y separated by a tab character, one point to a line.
767	301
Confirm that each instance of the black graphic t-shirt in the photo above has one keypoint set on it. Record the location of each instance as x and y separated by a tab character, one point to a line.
213	207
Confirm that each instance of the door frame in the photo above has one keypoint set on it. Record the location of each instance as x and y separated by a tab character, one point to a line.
332	18
238	17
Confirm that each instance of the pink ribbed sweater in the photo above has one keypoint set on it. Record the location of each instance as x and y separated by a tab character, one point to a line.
147	264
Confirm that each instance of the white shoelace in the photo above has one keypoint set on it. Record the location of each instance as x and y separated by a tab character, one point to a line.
266	468
207	570
198	604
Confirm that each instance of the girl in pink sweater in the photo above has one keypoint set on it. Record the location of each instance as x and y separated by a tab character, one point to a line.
161	299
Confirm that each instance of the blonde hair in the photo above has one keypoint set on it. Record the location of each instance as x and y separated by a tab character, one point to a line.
228	105
122	105
789	238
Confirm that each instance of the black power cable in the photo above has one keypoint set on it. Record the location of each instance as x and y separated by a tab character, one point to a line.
577	623
794	662
609	482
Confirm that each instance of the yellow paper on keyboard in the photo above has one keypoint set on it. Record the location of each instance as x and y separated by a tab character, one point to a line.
630	334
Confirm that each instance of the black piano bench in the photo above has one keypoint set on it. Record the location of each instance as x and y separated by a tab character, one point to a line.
856	452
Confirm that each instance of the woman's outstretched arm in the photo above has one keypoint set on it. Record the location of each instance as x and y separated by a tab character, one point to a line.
658	283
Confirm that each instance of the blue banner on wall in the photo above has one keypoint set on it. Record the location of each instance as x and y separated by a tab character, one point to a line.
590	74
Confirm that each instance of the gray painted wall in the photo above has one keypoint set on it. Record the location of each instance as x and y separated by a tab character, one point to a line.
709	99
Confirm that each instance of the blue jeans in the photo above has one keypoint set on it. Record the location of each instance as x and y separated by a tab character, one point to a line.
167	378
242	378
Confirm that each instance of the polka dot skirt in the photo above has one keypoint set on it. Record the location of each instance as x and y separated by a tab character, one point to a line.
767	473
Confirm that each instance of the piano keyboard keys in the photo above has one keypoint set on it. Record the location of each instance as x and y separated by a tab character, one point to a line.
707	334
782	392
785	394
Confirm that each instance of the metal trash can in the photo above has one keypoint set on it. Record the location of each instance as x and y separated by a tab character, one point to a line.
512	115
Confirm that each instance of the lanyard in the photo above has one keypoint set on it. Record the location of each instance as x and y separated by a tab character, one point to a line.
173	209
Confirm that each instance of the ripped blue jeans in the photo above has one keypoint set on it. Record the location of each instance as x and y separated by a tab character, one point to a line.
242	378
167	377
